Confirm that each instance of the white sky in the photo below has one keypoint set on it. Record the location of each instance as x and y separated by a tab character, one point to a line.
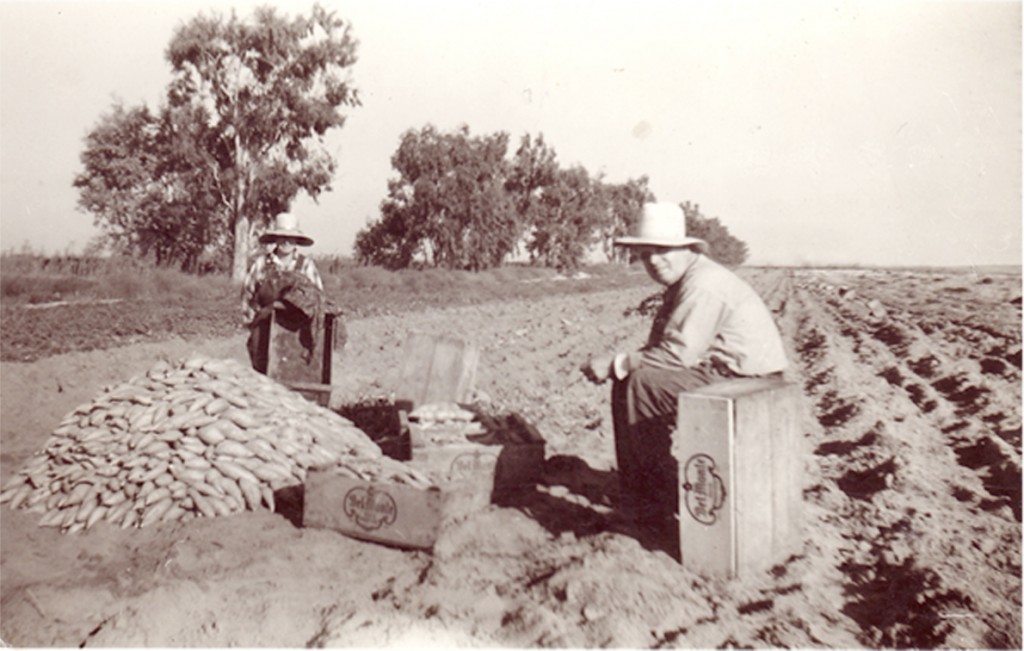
868	133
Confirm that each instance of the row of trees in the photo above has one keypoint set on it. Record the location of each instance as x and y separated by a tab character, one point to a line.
241	133
460	202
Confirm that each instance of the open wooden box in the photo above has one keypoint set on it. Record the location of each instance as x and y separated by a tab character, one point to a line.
507	455
507	458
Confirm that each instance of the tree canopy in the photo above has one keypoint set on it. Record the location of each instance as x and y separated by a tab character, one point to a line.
459	202
240	134
448	206
625	202
567	221
724	247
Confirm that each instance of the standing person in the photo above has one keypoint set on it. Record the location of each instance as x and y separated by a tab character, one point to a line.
711	326
281	269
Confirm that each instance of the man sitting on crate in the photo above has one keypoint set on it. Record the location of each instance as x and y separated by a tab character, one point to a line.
711	326
283	278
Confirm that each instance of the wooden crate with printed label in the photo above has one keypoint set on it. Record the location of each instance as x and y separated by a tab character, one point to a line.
507	456
498	454
393	514
738	446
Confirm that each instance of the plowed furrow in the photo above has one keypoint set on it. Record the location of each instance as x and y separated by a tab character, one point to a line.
974	411
884	450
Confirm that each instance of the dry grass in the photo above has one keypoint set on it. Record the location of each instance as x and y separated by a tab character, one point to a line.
34	279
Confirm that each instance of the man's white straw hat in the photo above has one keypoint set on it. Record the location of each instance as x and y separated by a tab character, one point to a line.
662	224
286	225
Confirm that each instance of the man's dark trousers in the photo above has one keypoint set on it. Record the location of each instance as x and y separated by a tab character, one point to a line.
644	412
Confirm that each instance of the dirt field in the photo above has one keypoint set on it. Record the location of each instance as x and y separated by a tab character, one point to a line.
912	496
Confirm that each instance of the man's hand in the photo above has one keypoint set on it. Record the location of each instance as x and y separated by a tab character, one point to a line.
598	369
261	314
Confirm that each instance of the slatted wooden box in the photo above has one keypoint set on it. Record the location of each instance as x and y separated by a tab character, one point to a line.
393	514
506	457
739	449
283	352
511	459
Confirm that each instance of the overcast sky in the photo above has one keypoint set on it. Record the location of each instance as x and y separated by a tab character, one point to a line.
868	133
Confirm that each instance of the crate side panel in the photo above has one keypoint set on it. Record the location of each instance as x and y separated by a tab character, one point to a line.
739	387
755	473
288	358
702	446
789	465
385	513
459	463
519	465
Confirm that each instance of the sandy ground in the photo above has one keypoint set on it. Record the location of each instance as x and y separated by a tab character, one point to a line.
911	534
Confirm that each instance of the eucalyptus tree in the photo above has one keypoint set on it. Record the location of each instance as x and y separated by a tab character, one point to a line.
121	157
142	191
447	207
242	131
723	246
624	204
567	219
534	167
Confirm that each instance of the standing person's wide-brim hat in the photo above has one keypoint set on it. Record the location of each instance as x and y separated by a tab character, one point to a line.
286	226
662	224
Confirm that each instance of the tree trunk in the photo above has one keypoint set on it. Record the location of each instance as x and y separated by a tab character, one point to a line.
240	263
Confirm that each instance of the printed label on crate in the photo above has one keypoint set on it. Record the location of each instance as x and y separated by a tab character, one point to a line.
370	508
470	465
705	491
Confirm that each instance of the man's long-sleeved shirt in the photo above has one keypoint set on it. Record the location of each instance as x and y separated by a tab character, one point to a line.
711	314
262	267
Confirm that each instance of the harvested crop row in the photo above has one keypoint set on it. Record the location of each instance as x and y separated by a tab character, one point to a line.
205	437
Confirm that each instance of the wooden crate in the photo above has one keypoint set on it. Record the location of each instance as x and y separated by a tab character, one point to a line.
392	514
510	458
282	355
507	456
459	463
739	449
